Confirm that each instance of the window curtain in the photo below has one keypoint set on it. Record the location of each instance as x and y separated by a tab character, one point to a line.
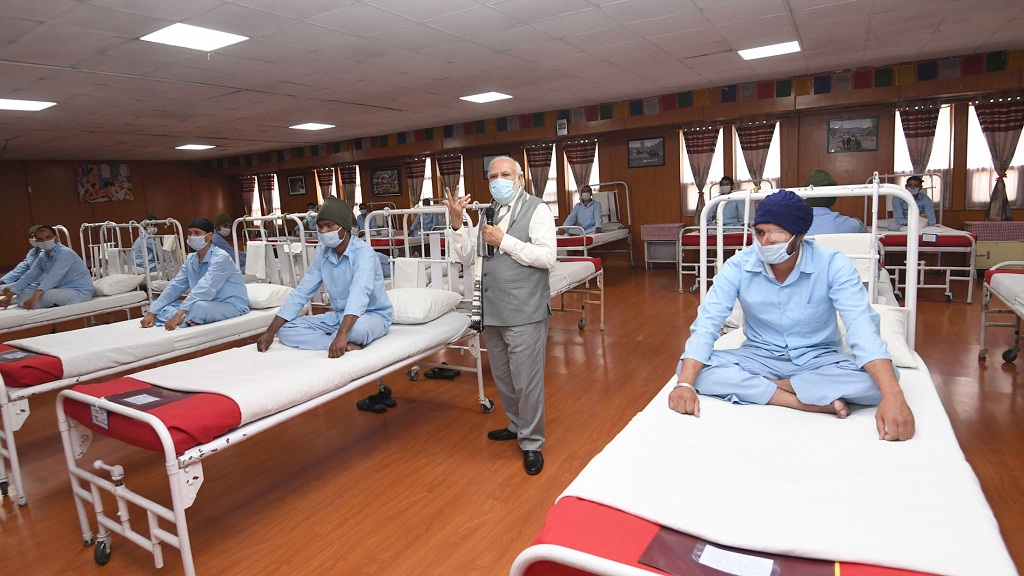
449	167
248	189
325	177
347	173
265	183
538	161
414	170
919	132
700	149
580	155
1001	122
755	138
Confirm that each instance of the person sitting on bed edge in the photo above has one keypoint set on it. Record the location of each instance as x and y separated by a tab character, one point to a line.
351	272
25	265
586	214
825	220
790	290
925	205
58	277
214	285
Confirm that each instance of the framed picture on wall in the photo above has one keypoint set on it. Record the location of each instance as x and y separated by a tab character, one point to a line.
646	152
103	182
385	182
853	135
296	185
487	161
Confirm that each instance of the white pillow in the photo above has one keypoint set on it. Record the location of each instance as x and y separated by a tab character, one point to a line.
421	305
266	295
116	284
893	328
609	226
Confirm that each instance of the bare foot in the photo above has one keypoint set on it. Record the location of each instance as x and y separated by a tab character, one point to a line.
842	410
353	346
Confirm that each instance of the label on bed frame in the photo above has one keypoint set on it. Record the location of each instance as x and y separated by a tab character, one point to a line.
15	355
930	238
683	555
149	398
100	417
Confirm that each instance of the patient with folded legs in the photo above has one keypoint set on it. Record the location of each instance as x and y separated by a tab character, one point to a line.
790	290
350	271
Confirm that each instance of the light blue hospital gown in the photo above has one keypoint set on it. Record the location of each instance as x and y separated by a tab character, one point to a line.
791	331
589	217
215	288
61	275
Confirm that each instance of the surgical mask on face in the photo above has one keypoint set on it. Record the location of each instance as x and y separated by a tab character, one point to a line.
33	243
47	245
586	196
330	239
225	231
151	229
503	190
197	243
726	189
363	213
774	254
913	191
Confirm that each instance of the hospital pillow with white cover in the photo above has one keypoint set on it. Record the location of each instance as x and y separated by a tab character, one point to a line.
262	296
117	284
420	305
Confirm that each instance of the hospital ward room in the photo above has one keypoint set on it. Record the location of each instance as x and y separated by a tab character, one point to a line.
488	288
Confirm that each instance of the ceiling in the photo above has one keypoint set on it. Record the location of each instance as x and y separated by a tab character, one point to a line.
375	67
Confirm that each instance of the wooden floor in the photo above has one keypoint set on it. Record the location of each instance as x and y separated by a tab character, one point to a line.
420	490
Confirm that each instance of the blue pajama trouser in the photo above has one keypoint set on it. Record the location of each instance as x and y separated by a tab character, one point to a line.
318	331
54	297
203	312
743	376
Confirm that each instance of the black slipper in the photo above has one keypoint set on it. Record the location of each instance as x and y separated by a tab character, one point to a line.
442	373
370	404
381	398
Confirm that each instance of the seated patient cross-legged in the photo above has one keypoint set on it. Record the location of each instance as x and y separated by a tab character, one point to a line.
57	276
351	272
211	279
790	290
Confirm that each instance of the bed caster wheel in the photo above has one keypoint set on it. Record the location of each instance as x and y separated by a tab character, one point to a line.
1010	355
4	488
102	552
693	289
414	373
949	297
982	357
898	295
88	541
487	406
582	323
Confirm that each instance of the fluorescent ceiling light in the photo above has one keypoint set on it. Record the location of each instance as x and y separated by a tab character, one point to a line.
773	50
25	105
485	97
195	147
193	37
311	126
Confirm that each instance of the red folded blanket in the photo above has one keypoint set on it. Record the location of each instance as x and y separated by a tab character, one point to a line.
21	368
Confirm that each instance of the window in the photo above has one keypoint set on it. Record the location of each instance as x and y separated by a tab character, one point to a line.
938	163
689	184
257	209
772	166
574	194
981	176
358	192
550	194
427	191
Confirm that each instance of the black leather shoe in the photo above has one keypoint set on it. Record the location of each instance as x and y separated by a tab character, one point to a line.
533	461
502	434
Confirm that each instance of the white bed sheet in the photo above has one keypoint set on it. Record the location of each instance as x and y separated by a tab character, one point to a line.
1007	286
565	274
810	485
14	317
264	383
599	238
883	228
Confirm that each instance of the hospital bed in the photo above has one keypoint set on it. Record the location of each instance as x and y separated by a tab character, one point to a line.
114	292
611	196
754	483
1005	281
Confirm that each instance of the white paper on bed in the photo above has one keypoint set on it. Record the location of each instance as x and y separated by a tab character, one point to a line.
810	485
108	345
565	274
883	227
264	383
13	316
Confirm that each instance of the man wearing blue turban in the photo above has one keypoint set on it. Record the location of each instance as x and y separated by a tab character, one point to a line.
790	290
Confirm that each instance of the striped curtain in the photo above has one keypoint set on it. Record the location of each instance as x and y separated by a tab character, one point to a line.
414	170
325	177
755	138
248	189
580	155
700	148
450	168
538	161
265	183
347	173
919	130
1001	121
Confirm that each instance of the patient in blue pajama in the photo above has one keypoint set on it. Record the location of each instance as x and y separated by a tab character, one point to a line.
350	271
790	290
214	286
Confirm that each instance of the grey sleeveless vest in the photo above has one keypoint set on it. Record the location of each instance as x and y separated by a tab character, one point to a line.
514	294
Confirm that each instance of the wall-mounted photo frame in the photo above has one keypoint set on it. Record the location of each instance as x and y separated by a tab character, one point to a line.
646	152
385	182
853	135
103	182
487	161
296	185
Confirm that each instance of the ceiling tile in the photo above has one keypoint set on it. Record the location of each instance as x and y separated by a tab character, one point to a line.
423	11
362	20
414	37
630	11
743	11
533	10
303	10
581	22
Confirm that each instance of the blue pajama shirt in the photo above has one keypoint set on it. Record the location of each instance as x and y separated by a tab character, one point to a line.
222	243
150	251
61	273
925	206
215	290
21	269
828	222
587	217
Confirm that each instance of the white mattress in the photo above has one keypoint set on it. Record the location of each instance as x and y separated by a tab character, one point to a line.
1007	286
264	383
776	480
883	228
567	274
599	238
14	317
105	346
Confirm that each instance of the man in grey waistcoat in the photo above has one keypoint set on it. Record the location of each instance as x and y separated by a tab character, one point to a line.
513	257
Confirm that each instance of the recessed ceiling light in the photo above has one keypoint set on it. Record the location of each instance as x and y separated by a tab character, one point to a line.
194	147
773	50
311	126
193	37
485	97
24	105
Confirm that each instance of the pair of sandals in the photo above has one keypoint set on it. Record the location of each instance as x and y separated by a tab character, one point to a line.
378	403
439	373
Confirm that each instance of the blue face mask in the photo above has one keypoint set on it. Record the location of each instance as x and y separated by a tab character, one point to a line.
197	243
503	190
774	254
330	239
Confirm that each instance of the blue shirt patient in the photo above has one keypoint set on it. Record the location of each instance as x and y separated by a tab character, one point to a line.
25	265
586	214
825	220
790	290
925	205
211	279
732	212
350	271
57	277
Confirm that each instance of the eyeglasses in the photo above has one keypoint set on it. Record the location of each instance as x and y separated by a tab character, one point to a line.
776	236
